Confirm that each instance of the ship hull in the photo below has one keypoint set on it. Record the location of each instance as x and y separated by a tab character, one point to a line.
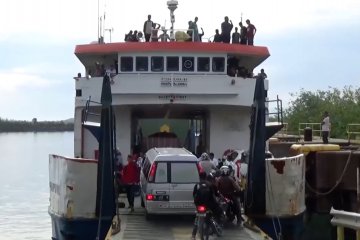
78	228
292	227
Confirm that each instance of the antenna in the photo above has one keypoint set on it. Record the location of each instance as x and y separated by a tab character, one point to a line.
98	21
110	30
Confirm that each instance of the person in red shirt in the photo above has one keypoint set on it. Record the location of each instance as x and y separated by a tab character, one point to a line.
251	30
130	177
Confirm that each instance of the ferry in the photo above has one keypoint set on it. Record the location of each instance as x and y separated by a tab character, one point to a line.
169	94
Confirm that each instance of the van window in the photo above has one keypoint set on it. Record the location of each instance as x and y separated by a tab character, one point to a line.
161	173
188	64
184	173
157	64
146	167
172	63
218	64
126	64
141	64
203	64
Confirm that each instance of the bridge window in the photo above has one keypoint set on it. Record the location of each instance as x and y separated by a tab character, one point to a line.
188	64
218	64
141	64
203	64
157	64
172	63
126	64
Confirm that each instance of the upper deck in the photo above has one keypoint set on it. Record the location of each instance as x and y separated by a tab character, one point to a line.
249	56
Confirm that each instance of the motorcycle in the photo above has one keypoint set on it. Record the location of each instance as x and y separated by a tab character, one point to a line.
206	223
226	205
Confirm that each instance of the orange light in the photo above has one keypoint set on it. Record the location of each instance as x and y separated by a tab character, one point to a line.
201	208
149	197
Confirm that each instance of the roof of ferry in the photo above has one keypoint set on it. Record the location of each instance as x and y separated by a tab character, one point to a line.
253	54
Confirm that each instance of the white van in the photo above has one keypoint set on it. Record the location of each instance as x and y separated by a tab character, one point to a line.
167	180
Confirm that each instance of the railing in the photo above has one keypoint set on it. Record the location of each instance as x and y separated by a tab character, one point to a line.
353	129
343	219
315	127
278	110
87	108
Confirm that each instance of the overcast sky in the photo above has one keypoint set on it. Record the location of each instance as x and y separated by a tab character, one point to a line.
313	44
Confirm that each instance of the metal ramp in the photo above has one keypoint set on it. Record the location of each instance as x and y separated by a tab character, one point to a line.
134	226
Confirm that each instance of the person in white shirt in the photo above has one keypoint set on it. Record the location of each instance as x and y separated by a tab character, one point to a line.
206	164
213	159
325	127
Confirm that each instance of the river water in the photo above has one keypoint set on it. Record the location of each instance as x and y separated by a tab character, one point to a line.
24	182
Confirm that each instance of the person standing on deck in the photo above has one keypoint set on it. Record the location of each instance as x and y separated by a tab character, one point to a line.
236	36
147	28
325	128
251	30
130	176
226	28
243	33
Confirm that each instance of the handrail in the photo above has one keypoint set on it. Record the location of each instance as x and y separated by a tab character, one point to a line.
343	219
353	129
315	127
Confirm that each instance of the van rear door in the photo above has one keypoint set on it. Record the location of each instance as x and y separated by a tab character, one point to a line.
183	177
160	188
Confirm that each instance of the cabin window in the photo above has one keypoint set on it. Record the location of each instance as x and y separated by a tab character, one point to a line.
172	64
157	64
218	64
188	64
126	64
141	64
203	64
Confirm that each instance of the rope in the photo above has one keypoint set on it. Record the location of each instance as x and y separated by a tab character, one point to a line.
337	181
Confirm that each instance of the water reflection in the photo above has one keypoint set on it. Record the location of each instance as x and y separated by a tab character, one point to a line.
24	182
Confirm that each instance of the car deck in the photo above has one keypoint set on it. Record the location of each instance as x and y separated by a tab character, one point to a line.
135	226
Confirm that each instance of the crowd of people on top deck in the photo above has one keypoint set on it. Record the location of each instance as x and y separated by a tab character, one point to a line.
242	35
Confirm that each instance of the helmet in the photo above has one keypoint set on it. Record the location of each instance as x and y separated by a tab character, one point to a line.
212	174
225	171
204	156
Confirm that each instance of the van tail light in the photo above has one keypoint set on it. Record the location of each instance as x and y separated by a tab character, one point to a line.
201	209
150	197
152	173
199	167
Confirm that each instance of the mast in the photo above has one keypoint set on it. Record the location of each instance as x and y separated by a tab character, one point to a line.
172	5
255	193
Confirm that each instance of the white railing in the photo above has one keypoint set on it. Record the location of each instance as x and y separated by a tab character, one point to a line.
353	129
343	219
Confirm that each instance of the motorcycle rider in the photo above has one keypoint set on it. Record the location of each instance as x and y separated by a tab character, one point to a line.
230	189
204	194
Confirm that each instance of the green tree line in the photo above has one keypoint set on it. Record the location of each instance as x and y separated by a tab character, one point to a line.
343	107
34	126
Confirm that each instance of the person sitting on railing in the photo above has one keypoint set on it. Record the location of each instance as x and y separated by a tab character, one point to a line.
128	36
164	37
154	32
201	35
190	31
217	37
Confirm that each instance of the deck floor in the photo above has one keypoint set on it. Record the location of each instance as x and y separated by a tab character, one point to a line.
135	226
